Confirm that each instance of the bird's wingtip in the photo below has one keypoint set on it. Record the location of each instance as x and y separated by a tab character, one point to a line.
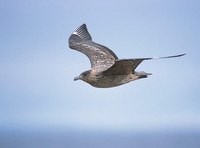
80	34
84	24
180	55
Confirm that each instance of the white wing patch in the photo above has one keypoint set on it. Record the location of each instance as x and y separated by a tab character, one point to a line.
75	33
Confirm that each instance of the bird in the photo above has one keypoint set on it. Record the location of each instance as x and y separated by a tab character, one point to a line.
106	69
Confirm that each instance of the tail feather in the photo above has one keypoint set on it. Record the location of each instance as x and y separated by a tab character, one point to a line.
142	74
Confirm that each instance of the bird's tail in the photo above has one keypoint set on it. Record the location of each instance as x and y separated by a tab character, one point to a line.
142	74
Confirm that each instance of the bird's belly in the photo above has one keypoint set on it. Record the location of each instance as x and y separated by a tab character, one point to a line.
112	81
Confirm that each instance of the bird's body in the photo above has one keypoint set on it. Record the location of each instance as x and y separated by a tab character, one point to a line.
106	69
104	81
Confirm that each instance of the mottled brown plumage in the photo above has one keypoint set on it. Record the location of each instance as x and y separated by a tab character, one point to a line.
106	69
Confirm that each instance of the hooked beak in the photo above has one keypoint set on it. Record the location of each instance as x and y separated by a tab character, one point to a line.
77	78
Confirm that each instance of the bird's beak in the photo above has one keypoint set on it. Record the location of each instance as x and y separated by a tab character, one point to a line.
77	78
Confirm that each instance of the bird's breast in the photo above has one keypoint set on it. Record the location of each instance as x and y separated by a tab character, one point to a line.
112	81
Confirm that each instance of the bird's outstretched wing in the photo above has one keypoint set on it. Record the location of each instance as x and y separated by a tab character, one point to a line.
127	66
101	58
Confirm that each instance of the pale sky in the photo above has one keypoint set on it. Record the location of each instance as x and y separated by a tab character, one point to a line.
37	67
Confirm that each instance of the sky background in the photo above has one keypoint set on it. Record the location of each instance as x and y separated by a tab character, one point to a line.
37	67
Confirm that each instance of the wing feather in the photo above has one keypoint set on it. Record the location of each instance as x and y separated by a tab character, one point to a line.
101	57
127	66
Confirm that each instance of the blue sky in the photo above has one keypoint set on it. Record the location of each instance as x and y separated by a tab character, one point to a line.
37	67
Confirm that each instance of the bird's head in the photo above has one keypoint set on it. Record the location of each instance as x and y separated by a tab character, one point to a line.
85	76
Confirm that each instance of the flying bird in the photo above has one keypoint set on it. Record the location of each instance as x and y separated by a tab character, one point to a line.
106	69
